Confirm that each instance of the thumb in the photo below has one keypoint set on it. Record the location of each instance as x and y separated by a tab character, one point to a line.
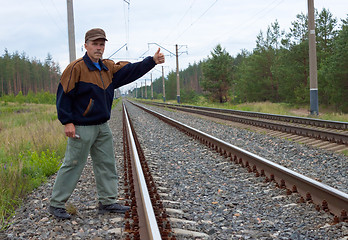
158	51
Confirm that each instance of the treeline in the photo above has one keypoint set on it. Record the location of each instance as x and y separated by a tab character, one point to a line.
276	70
19	74
189	84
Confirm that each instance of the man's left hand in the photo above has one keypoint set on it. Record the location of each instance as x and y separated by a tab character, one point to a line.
158	57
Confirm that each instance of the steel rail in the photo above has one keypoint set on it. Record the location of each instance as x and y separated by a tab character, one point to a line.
301	120
335	137
323	196
151	230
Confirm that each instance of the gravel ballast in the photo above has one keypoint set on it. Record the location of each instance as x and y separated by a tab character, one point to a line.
224	200
32	221
203	192
324	166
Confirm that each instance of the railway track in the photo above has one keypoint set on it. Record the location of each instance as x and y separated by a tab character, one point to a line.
324	197
148	219
196	194
329	135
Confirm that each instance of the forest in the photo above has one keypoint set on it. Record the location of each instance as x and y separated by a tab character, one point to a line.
276	70
20	75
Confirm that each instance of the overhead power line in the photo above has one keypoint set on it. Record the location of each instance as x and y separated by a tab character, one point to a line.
48	12
148	48
182	18
186	12
255	17
60	16
194	22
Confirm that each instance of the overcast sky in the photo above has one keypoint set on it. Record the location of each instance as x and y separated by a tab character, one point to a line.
39	27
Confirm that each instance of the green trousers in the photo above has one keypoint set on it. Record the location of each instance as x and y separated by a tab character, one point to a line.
96	140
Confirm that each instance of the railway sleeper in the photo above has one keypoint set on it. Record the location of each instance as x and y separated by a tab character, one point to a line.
282	184
308	197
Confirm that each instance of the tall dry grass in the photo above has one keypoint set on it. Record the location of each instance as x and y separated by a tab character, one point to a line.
32	144
35	136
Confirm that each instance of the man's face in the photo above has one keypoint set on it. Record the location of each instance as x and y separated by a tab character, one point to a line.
95	49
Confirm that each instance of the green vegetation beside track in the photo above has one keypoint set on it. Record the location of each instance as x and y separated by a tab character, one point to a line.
32	144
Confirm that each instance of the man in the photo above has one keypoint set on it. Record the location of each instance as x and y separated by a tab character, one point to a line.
84	98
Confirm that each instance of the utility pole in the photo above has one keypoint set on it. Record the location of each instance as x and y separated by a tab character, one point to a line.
177	67
136	90
164	86
151	88
145	90
313	76
177	74
71	31
142	90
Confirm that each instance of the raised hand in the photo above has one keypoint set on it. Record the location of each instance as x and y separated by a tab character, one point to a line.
158	57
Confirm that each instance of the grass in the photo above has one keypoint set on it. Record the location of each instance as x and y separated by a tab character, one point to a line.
32	144
115	103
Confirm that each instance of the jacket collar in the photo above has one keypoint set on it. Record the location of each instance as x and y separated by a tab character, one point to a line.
90	64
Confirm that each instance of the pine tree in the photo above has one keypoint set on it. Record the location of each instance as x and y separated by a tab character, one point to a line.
217	74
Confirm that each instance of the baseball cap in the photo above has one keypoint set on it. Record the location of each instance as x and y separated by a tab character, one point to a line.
94	34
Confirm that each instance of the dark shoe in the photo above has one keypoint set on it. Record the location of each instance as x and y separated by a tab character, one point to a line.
112	208
59	213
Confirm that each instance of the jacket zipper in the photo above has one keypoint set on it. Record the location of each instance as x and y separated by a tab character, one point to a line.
101	78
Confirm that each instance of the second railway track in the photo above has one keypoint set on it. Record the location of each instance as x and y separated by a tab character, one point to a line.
205	195
331	135
150	130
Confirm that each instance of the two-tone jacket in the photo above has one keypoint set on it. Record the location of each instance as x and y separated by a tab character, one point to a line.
85	93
